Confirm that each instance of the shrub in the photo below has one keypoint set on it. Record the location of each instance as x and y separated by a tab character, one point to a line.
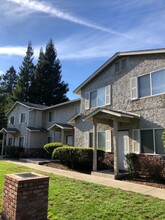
77	156
51	146
14	151
150	166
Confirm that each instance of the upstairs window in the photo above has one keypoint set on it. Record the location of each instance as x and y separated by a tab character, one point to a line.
77	109
51	116
12	120
148	85
99	97
117	67
23	118
123	64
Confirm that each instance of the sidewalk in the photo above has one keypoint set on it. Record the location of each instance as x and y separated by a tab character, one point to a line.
128	186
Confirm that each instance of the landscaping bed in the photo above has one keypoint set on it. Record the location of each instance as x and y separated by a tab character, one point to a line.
144	180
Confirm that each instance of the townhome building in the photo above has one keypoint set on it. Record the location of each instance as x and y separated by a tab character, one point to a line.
121	110
123	106
31	126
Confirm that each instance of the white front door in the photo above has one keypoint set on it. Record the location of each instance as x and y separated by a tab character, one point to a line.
123	149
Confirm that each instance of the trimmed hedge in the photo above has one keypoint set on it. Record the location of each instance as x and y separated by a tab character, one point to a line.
151	166
78	157
14	151
51	146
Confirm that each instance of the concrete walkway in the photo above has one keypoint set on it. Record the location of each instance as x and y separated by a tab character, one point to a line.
128	186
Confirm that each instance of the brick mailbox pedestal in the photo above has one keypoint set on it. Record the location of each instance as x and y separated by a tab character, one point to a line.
25	197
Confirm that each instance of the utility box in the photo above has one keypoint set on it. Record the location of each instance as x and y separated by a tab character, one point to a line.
25	197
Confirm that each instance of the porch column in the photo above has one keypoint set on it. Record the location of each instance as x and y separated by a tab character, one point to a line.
115	142
62	136
95	146
3	142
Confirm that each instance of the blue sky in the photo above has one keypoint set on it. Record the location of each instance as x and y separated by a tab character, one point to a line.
85	32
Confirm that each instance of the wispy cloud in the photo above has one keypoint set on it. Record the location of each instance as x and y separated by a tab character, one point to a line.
55	12
1	72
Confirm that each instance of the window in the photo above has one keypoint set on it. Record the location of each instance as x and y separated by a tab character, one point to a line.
102	140
144	86
23	118
150	84
51	116
158	82
21	141
100	97
91	139
152	141
10	141
147	142
120	65
12	120
77	109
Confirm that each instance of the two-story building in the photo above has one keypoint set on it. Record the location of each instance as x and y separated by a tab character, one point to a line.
121	110
31	125
123	106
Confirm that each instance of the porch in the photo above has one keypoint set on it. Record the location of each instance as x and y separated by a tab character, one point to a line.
66	132
121	124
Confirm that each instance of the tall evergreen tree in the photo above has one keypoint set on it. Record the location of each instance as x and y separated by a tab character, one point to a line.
26	76
50	87
10	80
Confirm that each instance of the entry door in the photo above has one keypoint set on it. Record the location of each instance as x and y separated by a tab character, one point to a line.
123	149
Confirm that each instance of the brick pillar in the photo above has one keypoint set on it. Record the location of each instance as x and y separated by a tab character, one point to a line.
25	197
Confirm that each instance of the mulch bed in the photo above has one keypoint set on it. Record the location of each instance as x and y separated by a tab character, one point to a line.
127	178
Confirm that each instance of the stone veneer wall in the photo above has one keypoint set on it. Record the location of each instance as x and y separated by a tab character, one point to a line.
25	198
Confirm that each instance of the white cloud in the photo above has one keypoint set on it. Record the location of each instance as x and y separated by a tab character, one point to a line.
17	51
55	12
1	72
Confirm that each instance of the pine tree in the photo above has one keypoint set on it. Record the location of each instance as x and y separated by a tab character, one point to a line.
48	78
10	80
26	76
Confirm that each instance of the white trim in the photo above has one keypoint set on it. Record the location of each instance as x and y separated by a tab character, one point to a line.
136	143
86	139
87	100
108	136
134	88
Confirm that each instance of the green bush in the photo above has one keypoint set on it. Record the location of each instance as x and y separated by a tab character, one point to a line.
132	161
51	146
14	151
77	156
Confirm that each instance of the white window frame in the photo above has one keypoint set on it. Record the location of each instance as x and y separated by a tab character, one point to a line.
21	118
10	120
153	130
107	100
150	76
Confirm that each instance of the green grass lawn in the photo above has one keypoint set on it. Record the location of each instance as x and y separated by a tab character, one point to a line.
78	200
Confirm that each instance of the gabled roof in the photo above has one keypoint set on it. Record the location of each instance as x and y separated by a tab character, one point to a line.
115	56
27	105
61	126
9	130
72	120
111	113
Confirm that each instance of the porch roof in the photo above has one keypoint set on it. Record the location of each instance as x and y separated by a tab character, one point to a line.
9	130
61	126
110	114
72	120
36	129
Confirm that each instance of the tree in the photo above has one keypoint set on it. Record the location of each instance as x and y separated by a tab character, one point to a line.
26	76
50	89
10	80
